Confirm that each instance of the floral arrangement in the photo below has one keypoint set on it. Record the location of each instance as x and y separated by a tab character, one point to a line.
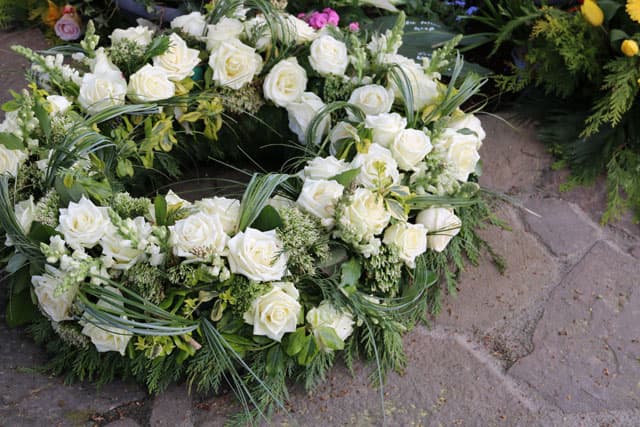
340	254
577	67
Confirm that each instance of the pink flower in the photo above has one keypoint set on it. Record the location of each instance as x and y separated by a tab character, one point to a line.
318	20
354	27
332	16
68	27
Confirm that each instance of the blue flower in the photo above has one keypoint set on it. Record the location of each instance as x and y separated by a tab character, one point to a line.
472	10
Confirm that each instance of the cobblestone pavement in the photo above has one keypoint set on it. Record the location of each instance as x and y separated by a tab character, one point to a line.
553	342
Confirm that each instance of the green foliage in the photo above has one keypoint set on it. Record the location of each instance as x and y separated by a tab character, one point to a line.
623	185
305	241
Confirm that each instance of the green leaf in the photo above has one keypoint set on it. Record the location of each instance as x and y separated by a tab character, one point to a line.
11	141
160	207
269	219
10	106
350	274
68	194
346	178
16	262
41	232
396	209
20	281
275	361
256	197
43	118
20	309
308	351
609	8
328	338
295	341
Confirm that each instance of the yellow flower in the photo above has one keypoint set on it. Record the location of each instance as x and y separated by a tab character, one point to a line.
633	9
629	47
592	12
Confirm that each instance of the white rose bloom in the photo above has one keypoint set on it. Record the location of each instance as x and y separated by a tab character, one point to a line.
141	35
175	202
198	234
410	239
302	112
276	312
285	83
258	255
44	286
326	315
10	160
104	87
59	104
105	337
179	60
83	224
279	203
472	123
25	212
150	84
410	147
441	224
319	198
460	151
234	64
325	167
365	215
225	29
386	127
120	253
287	29
193	24
424	87
342	130
227	210
372	99
370	163
303	32
329	56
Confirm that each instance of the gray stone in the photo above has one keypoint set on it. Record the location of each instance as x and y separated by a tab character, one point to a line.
587	343
513	160
173	408
562	226
123	422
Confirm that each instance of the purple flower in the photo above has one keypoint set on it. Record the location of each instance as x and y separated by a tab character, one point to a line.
354	27
318	20
332	16
472	10
68	27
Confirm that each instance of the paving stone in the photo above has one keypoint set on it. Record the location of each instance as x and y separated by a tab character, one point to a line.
123	422
514	161
562	226
445	383
173	408
587	343
487	298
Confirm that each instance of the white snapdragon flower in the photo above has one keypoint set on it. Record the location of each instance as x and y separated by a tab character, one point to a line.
275	313
258	255
329	56
410	239
234	64
441	224
319	198
285	83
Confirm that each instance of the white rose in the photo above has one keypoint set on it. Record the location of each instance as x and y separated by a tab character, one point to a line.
120	253
258	32
197	235
59	104
285	83
276	312
105	337
258	255
25	212
386	127
286	28
441	224
55	306
302	112
175	202
225	29
329	56
319	198
179	60
234	64
326	315
342	130
365	215
140	34
193	24
227	211
303	32
10	160
150	84
372	99
410	147
423	87
472	123
104	87
410	239
370	164
83	224
460	151
325	167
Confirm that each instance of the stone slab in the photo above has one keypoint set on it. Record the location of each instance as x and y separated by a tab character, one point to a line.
513	160
562	226
173	408
587	343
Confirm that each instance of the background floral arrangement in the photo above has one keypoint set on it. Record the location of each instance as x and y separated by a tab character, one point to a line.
340	254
